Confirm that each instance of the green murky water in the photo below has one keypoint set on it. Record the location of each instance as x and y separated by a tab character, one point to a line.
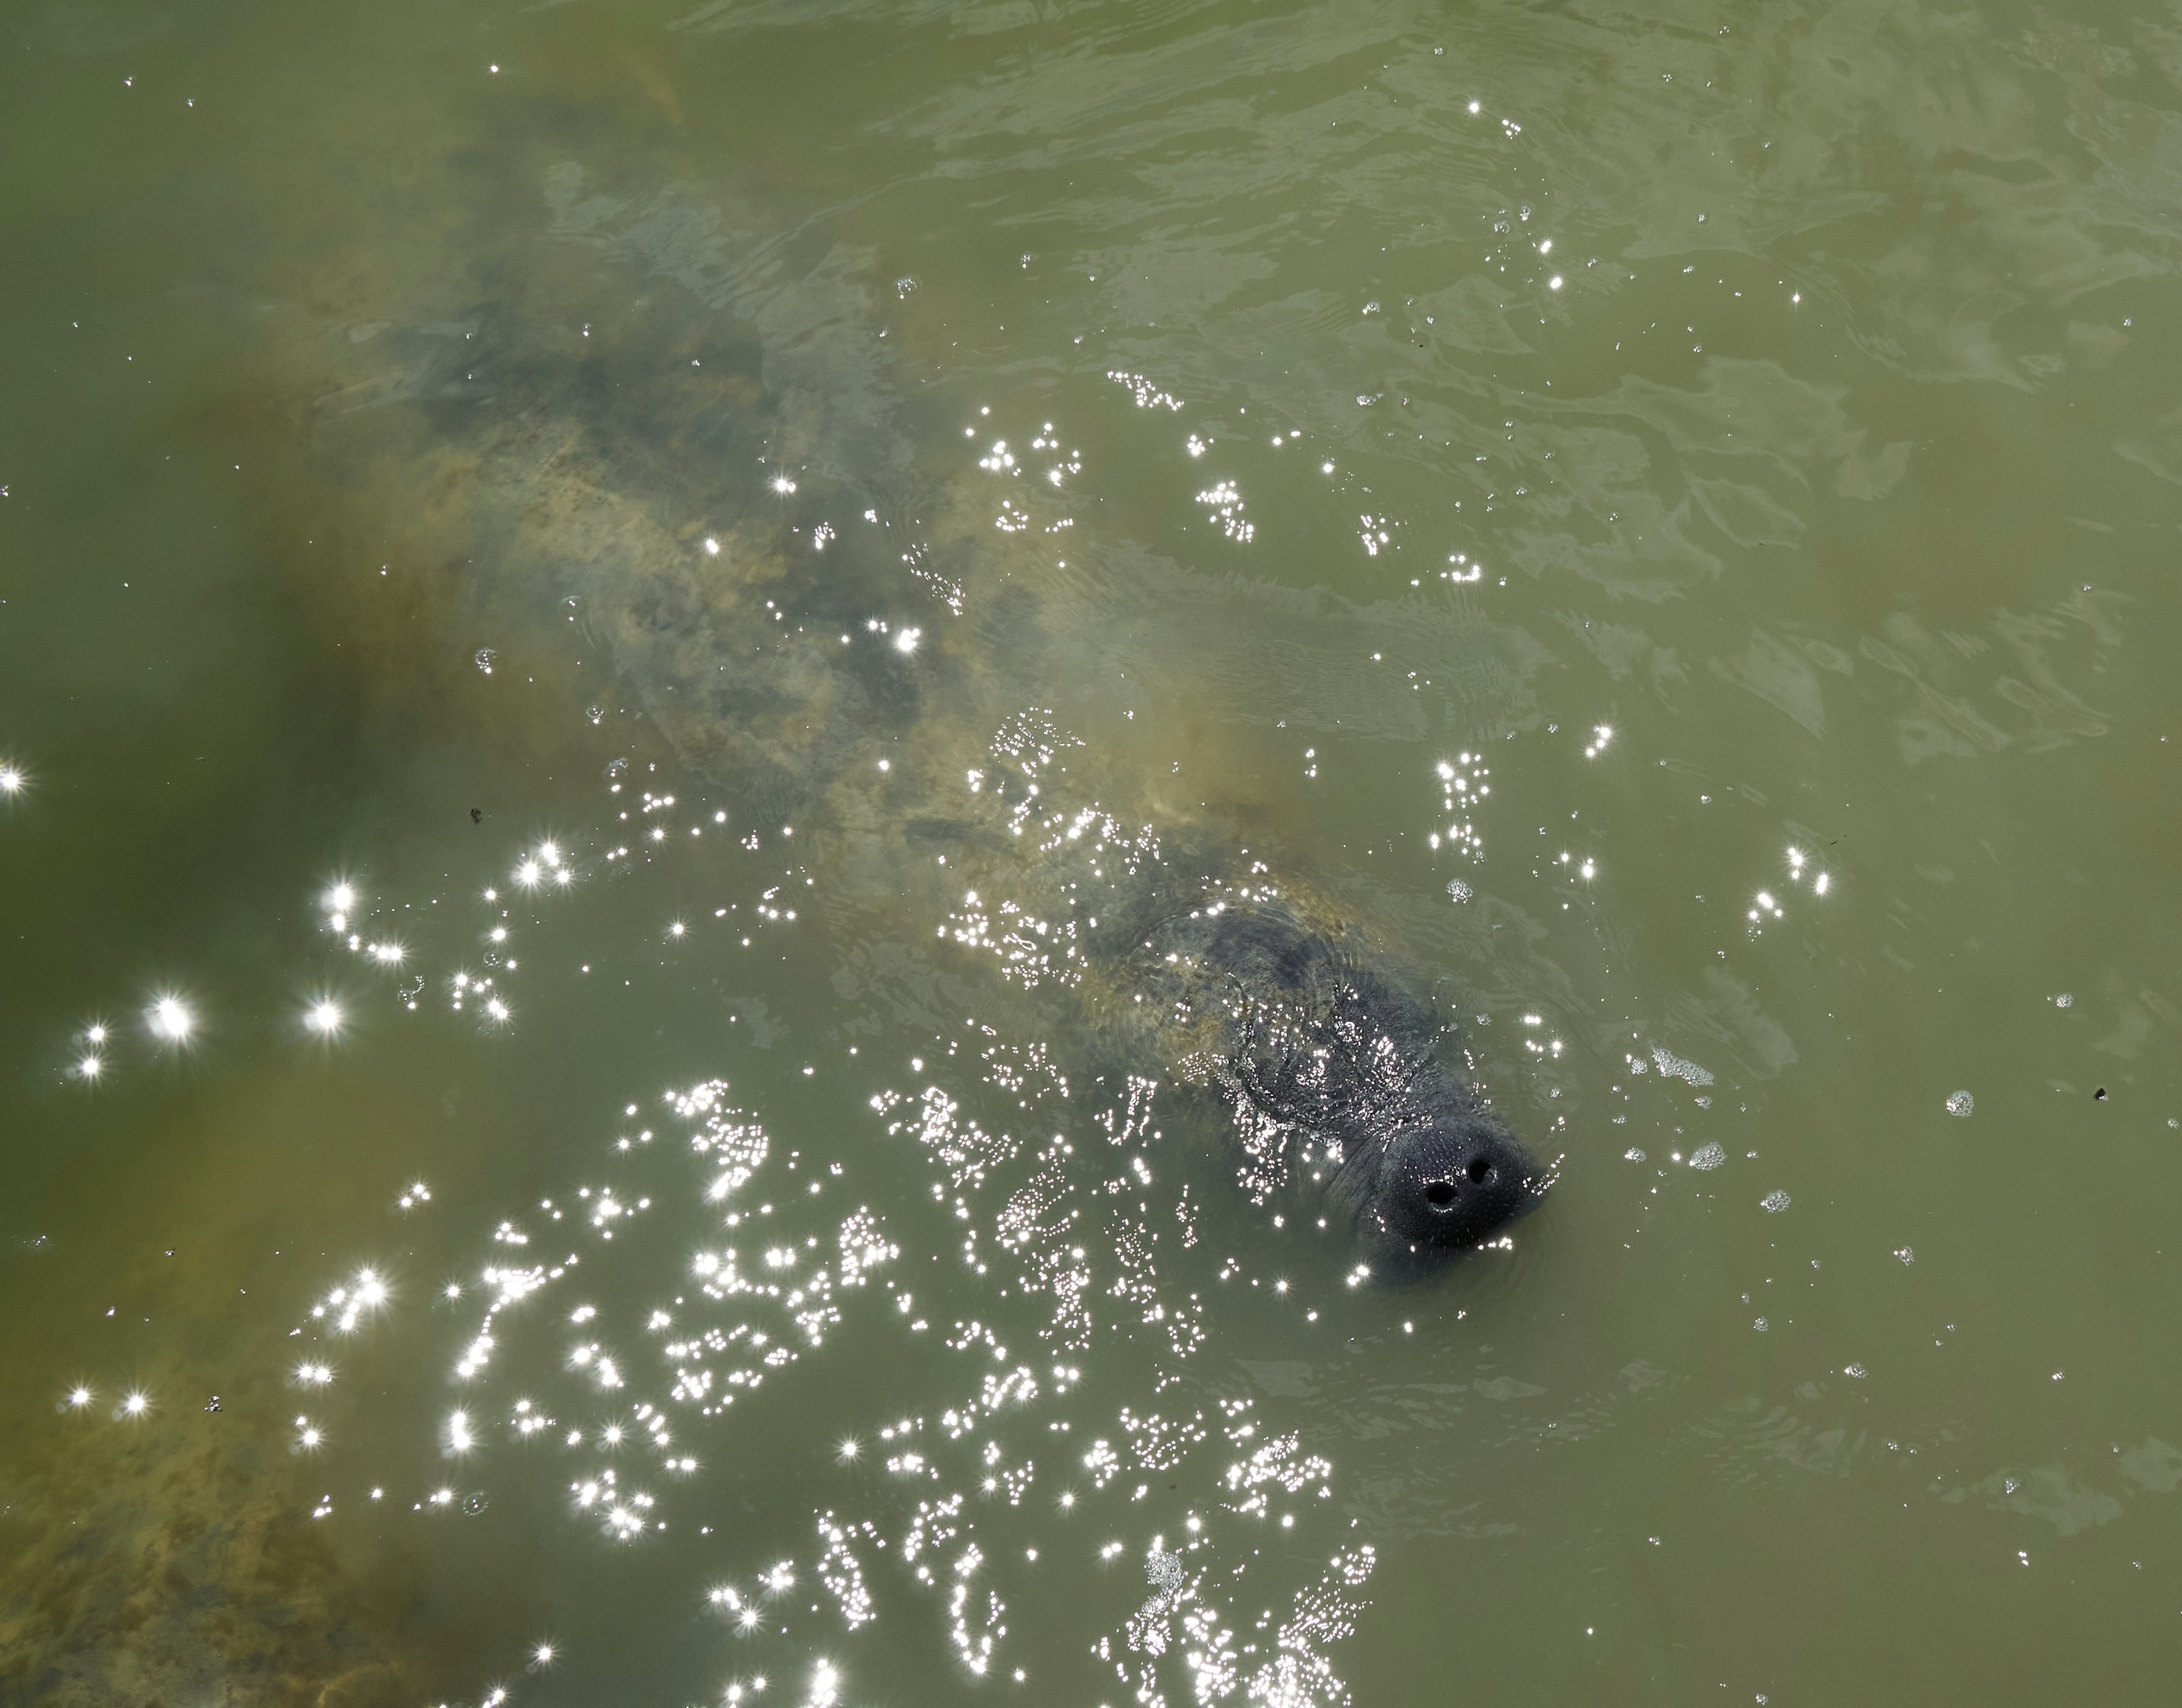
599	597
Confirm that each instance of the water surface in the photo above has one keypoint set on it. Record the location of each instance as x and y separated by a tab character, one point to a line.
684	570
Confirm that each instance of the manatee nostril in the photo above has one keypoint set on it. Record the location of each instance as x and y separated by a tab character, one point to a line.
1479	1171
1441	1194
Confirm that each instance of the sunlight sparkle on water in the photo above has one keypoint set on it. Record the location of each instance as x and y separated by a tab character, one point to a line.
324	1018
171	1019
11	779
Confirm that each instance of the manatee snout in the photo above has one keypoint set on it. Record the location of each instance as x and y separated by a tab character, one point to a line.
1451	1184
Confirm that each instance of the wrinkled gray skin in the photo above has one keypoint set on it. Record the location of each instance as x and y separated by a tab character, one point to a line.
1339	1082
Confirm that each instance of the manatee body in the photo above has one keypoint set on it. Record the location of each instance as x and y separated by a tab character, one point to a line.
1339	1083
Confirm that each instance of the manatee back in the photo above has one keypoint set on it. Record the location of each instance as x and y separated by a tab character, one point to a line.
1297	1019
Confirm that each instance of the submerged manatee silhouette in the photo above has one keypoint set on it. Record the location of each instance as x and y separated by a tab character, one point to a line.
1338	1082
815	675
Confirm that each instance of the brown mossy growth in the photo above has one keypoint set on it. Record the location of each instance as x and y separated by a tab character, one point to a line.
373	1686
174	1555
155	1574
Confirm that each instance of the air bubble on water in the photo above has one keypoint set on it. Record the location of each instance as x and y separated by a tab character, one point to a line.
1960	1103
1458	890
1855	1371
1906	1255
485	657
595	713
472	1504
1632	1155
1706	1156
1775	1201
1676	1067
2064	1000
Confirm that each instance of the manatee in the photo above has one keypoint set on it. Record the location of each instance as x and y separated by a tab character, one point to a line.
814	609
1339	1083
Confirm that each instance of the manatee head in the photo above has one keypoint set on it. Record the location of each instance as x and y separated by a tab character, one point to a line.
1451	1181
